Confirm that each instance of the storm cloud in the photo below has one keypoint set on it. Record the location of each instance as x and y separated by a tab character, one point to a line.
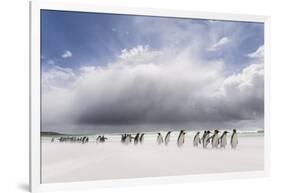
149	88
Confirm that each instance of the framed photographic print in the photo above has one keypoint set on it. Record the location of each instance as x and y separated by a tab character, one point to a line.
123	96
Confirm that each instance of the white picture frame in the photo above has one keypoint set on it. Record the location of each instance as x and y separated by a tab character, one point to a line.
35	168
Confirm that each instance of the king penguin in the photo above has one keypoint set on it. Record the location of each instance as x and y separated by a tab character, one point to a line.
181	137
159	139
136	139
97	140
234	139
167	137
203	136
141	138
196	139
214	139
205	139
102	139
123	137
223	139
127	139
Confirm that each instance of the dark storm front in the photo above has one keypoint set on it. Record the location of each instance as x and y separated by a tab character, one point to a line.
127	90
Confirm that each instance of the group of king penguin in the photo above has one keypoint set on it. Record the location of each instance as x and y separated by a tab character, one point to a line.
128	138
215	139
101	139
207	138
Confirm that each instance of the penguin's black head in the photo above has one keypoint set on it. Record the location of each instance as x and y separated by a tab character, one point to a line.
208	132
234	130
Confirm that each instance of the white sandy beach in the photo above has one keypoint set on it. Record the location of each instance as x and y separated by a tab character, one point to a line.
69	162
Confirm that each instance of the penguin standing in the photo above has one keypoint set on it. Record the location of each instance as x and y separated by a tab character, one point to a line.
214	139
136	139
205	139
167	137
223	139
196	139
181	137
159	139
141	138
234	139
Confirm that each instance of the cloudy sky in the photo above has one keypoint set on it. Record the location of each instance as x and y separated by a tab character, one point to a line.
106	73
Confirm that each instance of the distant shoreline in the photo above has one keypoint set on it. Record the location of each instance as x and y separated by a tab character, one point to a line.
46	134
57	134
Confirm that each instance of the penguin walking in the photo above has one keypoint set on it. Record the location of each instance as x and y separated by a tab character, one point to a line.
136	139
123	137
223	139
141	138
181	137
196	139
103	139
159	139
127	139
167	137
214	139
234	139
97	139
205	138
